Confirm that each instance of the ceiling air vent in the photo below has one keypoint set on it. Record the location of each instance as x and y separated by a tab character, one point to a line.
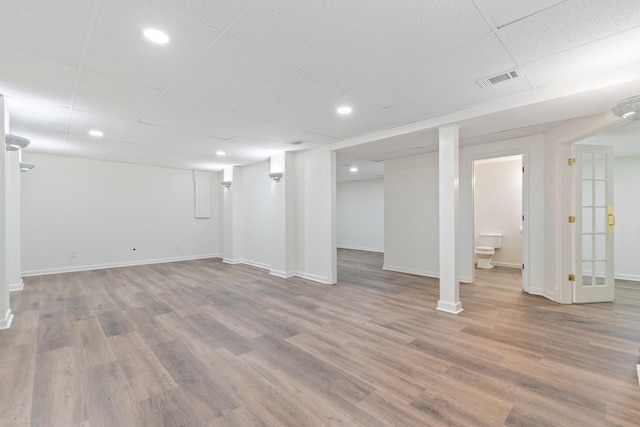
297	142
489	81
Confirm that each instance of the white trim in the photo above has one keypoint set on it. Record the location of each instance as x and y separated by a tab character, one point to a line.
507	265
16	287
314	277
450	308
360	248
256	264
624	276
278	273
75	268
638	370
283	274
6	322
415	271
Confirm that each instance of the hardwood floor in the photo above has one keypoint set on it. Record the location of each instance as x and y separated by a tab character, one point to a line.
202	343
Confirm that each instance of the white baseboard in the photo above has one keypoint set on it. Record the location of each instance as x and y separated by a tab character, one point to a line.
16	287
632	277
256	264
465	279
448	307
75	268
314	277
415	271
5	323
361	248
507	264
282	274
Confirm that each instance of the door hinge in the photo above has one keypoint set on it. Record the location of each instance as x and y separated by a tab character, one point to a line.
572	277
572	161
572	219
523	266
523	169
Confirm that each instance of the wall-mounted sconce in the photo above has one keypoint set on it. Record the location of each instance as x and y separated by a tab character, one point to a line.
15	143
26	167
275	176
226	184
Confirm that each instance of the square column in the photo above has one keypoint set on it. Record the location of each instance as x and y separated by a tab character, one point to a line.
448	219
6	317
284	250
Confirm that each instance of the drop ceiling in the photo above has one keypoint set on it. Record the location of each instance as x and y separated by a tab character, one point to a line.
251	77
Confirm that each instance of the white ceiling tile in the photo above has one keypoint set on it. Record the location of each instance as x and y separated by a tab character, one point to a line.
322	118
413	33
101	94
296	31
84	146
457	98
218	14
52	29
27	76
119	48
228	124
180	112
27	113
481	58
568	25
113	128
603	55
286	97
228	72
279	137
505	12
366	170
159	137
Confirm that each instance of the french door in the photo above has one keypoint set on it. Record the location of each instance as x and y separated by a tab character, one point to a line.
594	224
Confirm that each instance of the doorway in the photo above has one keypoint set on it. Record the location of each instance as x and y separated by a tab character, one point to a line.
498	216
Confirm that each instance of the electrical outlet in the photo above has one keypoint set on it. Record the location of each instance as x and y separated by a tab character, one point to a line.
74	253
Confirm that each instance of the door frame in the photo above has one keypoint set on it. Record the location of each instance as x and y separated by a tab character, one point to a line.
467	166
524	202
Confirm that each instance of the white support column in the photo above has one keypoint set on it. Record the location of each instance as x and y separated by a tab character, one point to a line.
284	253
231	236
14	261
448	205
6	317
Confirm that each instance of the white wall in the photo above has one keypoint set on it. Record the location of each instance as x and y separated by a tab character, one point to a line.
411	215
498	207
360	215
627	205
103	210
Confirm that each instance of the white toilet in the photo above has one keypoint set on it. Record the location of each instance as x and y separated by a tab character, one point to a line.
486	248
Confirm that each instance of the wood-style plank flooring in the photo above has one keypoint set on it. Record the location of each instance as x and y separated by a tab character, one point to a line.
203	343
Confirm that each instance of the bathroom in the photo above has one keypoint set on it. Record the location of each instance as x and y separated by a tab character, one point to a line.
498	212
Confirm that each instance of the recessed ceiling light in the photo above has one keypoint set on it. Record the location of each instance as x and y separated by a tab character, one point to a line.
353	169
345	109
156	36
220	153
96	133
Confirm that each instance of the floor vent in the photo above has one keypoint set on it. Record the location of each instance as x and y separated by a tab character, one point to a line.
490	81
